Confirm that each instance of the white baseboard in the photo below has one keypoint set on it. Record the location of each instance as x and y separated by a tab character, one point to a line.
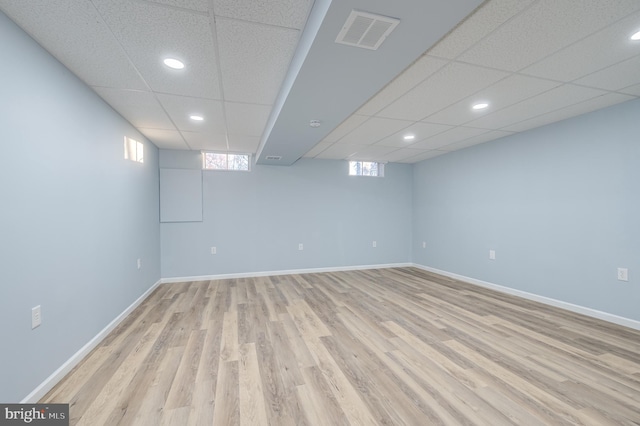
75	359
615	319
286	272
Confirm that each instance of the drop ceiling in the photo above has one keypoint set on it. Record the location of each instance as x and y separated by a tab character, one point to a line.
259	71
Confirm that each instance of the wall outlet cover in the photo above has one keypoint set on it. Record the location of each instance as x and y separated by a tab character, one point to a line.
36	317
623	274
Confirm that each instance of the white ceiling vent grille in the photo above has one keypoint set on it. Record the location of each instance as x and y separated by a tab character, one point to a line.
273	157
366	30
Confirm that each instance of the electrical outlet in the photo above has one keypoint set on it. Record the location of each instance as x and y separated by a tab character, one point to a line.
424	244
375	244
300	247
139	263
623	274
214	250
36	317
492	254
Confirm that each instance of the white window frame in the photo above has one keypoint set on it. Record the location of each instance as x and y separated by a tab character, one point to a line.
360	171
227	154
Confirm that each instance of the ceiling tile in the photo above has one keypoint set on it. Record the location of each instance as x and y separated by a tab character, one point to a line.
372	152
589	105
254	59
141	109
164	139
76	35
421	157
454	135
549	101
416	73
504	93
347	126
554	23
206	141
632	90
321	146
447	86
593	53
373	130
401	155
246	119
282	13
487	18
149	33
616	77
419	130
485	137
339	151
199	5
243	143
180	108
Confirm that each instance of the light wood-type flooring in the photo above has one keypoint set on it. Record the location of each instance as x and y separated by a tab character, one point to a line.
376	347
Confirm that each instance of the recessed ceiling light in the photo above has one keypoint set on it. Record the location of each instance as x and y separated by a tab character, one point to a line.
409	137
636	36
196	117
174	63
314	123
480	105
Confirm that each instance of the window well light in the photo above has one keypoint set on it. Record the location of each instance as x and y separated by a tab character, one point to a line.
636	36
196	117
174	63
480	105
409	137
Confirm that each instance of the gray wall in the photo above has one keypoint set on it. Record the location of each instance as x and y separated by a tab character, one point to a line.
560	205
257	219
74	215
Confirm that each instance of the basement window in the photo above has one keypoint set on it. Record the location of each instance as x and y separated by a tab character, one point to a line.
133	150
366	168
226	161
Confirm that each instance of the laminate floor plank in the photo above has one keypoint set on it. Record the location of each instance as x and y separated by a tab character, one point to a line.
111	393
465	400
284	355
180	393
434	412
227	406
280	400
398	346
152	407
317	400
298	345
251	394
202	403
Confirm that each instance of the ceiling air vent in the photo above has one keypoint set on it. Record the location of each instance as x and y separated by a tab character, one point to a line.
366	30
273	157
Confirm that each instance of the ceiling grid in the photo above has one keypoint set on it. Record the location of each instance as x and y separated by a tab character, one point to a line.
533	62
